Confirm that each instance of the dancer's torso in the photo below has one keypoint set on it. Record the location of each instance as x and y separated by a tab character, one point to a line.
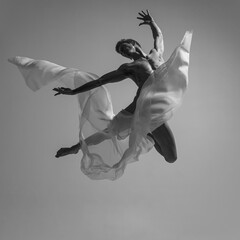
141	69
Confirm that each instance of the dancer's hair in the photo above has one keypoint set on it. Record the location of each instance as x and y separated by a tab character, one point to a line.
119	43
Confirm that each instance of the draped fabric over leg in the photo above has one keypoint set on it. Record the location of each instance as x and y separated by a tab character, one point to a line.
161	94
125	134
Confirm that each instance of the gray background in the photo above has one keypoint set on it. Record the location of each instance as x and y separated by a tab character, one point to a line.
46	198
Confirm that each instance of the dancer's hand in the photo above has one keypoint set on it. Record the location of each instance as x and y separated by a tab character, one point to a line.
64	91
145	17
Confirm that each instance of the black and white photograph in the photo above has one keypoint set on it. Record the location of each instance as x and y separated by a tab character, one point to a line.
119	120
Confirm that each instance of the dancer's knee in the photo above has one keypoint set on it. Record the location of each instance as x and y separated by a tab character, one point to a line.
171	158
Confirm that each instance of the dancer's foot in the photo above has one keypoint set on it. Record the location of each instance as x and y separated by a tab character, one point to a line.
66	151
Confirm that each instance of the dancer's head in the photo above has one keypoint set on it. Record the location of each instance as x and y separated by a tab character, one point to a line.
127	47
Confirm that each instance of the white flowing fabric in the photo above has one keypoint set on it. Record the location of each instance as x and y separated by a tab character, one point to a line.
125	134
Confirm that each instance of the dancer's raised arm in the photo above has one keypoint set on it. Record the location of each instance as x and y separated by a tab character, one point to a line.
157	34
115	76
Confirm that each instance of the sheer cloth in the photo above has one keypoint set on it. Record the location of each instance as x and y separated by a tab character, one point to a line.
110	142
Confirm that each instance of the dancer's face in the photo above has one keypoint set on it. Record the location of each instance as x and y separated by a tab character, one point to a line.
127	49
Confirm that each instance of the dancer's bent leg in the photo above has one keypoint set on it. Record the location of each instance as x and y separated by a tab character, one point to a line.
165	142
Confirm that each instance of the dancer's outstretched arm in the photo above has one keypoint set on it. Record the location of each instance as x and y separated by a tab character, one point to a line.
115	76
157	34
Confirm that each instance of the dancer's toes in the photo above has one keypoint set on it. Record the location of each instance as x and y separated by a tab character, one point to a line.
66	151
62	152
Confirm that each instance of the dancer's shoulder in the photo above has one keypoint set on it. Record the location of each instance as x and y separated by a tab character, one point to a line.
126	68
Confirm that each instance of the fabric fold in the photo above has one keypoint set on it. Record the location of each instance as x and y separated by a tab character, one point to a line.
110	142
